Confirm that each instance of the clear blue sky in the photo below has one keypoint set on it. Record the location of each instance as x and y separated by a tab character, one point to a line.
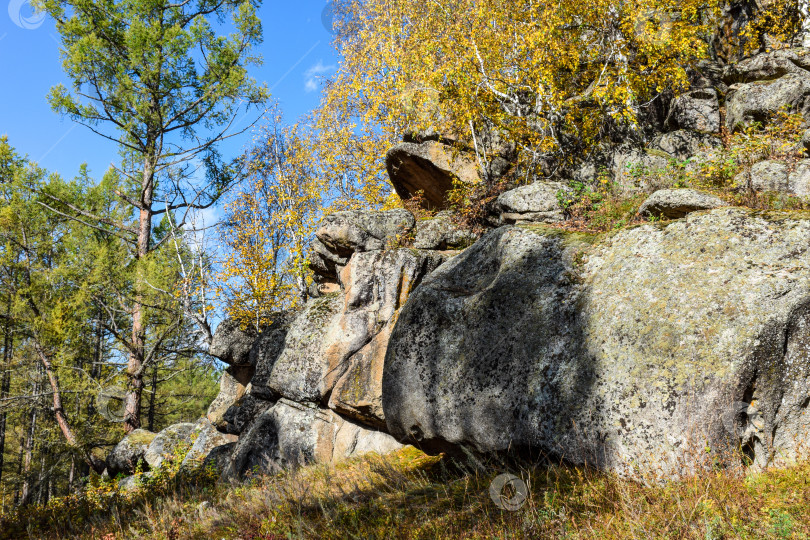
297	50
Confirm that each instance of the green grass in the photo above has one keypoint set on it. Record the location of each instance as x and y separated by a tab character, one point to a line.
410	495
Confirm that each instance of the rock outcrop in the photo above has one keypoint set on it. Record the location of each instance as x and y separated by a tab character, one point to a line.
429	168
677	203
315	393
628	353
128	455
652	351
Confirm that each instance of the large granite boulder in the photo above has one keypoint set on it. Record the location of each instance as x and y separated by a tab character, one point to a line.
232	342
430	168
291	434
697	110
129	453
134	482
777	176
536	202
629	353
758	101
167	443
677	203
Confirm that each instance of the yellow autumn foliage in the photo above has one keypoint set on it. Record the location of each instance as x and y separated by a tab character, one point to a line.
550	81
544	75
296	175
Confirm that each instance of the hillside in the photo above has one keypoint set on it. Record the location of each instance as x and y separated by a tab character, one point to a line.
556	285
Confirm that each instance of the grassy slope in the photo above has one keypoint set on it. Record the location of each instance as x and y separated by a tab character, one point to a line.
410	495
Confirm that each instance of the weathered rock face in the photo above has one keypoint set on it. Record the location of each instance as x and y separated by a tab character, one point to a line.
344	233
128	453
266	350
205	439
429	167
777	176
441	233
677	203
291	434
166	443
321	342
230	391
756	101
357	231
358	393
232	344
219	457
628	354
697	110
318	372
376	285
535	203
315	346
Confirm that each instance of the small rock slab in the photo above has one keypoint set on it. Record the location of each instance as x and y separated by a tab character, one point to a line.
677	203
536	203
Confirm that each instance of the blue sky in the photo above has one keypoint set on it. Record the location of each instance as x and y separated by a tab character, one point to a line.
297	51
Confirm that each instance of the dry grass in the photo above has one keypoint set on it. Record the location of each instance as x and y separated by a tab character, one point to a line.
410	495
